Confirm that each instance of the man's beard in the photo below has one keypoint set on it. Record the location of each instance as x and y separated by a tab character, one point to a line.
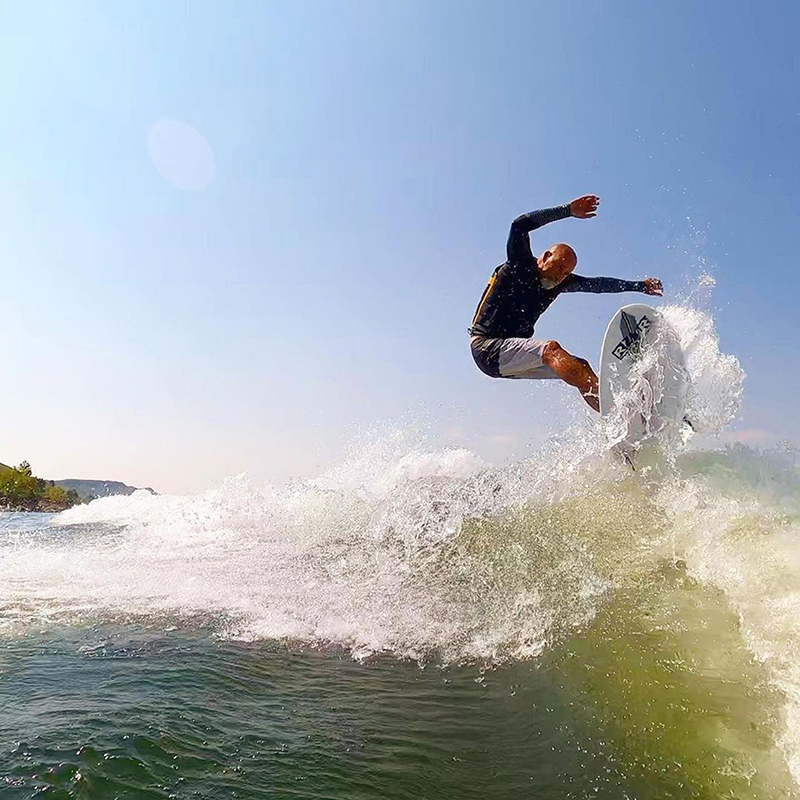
548	283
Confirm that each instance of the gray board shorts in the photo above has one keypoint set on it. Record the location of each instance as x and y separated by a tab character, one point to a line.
511	358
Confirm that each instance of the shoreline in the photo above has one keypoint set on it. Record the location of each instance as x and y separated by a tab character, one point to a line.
38	508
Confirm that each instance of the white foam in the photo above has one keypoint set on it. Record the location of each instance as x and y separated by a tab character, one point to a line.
715	379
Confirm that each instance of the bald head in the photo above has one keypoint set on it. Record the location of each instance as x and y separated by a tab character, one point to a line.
563	252
556	263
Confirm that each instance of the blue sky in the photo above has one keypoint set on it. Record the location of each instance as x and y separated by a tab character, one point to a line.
366	159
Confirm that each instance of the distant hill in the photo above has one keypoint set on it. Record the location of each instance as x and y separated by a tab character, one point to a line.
87	488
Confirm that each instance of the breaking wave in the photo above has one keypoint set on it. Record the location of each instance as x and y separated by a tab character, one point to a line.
434	555
399	548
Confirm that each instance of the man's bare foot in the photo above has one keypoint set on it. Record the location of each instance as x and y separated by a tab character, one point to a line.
592	399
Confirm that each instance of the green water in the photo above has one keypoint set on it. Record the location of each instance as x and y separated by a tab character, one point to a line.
636	640
632	707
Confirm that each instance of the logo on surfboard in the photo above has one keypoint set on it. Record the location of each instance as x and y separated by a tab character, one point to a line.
632	332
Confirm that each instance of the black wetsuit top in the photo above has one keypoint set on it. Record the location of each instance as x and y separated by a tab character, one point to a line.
515	298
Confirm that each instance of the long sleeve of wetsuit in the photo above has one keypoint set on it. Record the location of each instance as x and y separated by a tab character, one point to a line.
518	249
578	283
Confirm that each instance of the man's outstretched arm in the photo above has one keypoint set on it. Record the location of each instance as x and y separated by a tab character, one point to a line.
578	283
518	248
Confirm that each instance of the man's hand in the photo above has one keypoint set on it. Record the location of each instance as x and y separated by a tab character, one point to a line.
653	286
585	207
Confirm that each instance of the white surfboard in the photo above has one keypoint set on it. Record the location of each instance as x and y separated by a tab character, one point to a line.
643	379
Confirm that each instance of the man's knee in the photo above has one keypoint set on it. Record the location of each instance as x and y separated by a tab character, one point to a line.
551	350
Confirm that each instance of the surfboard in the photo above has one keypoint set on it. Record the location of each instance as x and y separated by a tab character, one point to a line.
643	378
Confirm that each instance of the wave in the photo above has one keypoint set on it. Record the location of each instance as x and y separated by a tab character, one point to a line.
399	548
434	555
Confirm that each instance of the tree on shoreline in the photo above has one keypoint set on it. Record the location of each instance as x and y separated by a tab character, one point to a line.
20	489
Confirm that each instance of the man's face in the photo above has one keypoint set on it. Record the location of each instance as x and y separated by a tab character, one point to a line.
556	263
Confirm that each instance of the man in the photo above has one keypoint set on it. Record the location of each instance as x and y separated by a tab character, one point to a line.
521	290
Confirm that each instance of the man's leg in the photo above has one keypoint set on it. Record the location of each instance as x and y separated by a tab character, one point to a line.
572	370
